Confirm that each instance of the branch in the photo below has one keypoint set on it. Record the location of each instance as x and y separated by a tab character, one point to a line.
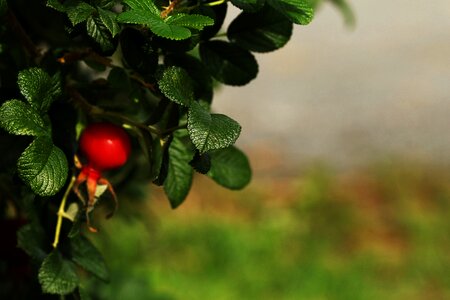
83	104
21	34
71	57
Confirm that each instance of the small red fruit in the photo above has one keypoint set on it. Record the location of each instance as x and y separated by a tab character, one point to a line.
105	146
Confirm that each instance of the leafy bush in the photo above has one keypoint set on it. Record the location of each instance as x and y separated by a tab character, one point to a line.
148	66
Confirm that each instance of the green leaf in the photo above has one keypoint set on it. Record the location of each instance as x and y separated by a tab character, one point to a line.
98	31
176	85
211	131
264	31
346	11
87	256
192	21
179	177
3	7
39	88
31	239
43	166
19	118
228	63
297	11
146	5
230	168
57	275
155	24
249	5
202	82
109	20
78	11
201	162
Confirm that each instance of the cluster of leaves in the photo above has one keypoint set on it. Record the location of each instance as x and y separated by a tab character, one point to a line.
149	65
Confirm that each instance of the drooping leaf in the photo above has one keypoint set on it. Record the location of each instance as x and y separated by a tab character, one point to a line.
211	131
249	5
263	31
176	85
39	88
99	33
88	257
228	63
230	168
57	275
109	20
43	167
179	177
297	11
19	118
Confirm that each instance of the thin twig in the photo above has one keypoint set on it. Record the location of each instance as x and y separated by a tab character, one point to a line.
165	13
143	82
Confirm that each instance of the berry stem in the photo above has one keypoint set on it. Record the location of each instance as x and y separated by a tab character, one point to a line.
62	212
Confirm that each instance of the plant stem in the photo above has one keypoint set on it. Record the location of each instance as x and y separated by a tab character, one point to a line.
165	13
62	213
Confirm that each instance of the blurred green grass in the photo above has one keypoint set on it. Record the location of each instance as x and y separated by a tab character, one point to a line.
377	233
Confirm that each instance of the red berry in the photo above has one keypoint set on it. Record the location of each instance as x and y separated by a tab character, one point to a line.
105	146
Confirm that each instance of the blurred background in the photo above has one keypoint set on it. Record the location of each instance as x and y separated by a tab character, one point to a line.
347	133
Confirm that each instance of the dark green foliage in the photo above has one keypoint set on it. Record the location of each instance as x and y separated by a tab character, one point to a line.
57	275
145	65
263	31
229	63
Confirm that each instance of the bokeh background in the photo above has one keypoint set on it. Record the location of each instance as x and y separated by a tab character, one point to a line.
347	130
